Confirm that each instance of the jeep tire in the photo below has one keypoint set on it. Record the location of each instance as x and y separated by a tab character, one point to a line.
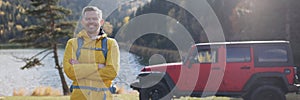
156	92
266	92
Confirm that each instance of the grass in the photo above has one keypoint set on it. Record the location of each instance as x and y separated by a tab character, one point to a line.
38	91
36	98
116	97
291	96
48	93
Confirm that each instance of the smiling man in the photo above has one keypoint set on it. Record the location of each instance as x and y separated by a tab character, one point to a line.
91	59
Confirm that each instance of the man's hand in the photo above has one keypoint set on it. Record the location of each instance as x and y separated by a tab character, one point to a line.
73	61
101	66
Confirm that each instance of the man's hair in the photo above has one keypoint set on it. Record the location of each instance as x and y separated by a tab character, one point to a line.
92	8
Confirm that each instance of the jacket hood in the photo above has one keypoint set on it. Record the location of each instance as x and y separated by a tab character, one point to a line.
83	34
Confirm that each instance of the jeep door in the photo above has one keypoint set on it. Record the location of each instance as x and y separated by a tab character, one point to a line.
203	63
239	66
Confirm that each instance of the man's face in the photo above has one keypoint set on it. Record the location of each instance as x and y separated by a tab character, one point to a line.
91	22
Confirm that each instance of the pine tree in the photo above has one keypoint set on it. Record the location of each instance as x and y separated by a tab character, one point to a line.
50	30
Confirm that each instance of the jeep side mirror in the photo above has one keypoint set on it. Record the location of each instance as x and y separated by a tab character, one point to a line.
190	65
183	58
191	61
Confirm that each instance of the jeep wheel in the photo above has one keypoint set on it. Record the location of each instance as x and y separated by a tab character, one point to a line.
156	92
267	93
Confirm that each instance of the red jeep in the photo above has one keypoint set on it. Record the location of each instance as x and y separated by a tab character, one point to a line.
253	70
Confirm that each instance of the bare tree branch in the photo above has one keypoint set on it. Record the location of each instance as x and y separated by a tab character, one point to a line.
22	59
32	63
46	55
28	59
40	53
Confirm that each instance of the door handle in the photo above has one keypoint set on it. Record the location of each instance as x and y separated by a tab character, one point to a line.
216	68
245	67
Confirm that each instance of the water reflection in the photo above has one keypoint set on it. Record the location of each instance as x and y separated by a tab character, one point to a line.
12	77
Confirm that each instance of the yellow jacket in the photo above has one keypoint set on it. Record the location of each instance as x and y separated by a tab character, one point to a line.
87	73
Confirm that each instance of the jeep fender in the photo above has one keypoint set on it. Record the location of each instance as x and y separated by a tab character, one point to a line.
148	79
267	78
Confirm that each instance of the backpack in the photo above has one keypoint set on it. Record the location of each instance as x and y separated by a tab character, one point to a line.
104	50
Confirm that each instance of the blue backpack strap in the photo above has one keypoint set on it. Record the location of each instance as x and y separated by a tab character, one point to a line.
80	43
79	46
104	47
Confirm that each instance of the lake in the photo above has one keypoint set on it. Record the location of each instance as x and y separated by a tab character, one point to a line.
13	78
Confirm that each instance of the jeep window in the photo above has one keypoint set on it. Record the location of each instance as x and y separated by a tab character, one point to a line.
238	54
273	54
206	56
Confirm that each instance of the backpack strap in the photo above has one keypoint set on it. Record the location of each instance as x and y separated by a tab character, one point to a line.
79	46
103	49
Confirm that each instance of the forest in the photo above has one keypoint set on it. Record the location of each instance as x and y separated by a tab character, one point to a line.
241	20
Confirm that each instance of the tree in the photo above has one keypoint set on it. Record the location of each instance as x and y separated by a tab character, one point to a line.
108	28
49	32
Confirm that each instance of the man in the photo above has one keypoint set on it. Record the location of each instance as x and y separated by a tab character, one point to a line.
91	69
